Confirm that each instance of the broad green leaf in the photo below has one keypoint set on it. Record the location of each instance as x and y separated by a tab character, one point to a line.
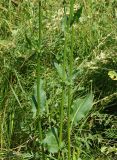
42	99
81	108
51	141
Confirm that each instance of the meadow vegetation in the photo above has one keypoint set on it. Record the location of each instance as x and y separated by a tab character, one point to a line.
55	57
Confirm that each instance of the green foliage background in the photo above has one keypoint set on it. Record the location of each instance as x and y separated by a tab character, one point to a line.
95	53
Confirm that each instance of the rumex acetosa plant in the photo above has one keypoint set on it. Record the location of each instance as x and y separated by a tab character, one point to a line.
77	109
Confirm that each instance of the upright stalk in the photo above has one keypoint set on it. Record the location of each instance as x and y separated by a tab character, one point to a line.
70	78
63	84
38	83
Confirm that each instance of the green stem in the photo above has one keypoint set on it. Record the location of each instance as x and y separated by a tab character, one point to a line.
70	80
61	116
68	122
63	88
38	84
61	119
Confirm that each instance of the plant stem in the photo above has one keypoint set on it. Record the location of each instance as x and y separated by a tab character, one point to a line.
63	86
38	83
70	79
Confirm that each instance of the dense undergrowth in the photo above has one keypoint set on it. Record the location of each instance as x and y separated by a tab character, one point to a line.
94	55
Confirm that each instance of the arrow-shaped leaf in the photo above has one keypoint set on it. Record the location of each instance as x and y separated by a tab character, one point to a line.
42	99
81	108
51	141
